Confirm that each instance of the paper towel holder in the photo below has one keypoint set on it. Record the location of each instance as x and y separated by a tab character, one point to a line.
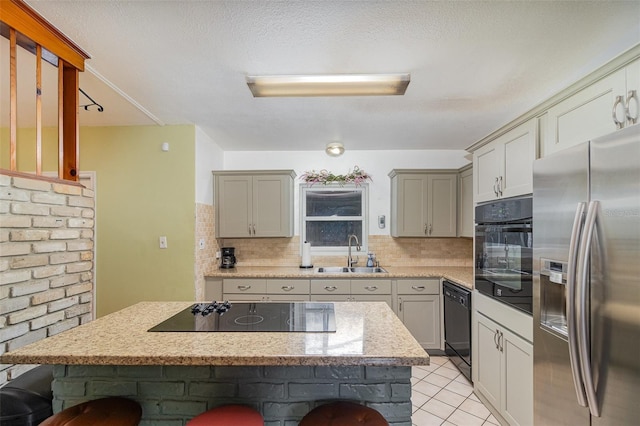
302	264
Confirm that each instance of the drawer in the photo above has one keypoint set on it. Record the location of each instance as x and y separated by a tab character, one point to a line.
288	287
330	287
244	285
370	286
421	286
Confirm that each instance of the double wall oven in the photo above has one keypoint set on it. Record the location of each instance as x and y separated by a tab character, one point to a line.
504	251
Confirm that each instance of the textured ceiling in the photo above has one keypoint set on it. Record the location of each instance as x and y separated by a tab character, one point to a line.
474	65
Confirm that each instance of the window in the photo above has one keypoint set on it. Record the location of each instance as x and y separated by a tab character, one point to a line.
330	214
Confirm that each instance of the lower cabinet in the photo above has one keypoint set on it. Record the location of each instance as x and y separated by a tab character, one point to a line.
503	359
265	290
362	290
418	307
300	290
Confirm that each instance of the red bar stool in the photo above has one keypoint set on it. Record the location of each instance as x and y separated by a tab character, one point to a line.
343	413
113	411
226	415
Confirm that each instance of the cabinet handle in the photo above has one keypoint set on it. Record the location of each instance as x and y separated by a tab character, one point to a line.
495	187
249	229
244	287
631	95
330	287
399	304
430	229
371	288
254	229
500	186
425	229
496	337
617	122
417	287
501	341
287	287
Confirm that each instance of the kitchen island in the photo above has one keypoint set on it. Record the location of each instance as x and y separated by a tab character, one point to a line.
176	376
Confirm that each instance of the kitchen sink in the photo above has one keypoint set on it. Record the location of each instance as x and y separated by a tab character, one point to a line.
356	270
333	270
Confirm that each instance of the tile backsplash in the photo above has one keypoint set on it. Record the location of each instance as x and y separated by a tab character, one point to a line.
389	252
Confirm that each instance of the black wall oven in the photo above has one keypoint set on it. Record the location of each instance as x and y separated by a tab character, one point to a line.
504	251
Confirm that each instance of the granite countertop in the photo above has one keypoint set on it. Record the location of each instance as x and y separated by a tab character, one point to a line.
367	333
459	274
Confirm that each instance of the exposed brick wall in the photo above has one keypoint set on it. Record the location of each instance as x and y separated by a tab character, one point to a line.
172	395
46	262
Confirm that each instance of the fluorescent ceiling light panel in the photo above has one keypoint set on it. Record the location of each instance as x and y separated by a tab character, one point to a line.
328	85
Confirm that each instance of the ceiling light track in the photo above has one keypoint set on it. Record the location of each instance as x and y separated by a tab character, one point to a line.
328	85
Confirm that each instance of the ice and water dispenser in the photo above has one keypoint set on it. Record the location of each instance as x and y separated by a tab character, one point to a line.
553	296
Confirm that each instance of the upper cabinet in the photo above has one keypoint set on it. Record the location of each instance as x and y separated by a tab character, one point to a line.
601	108
465	202
252	204
504	167
423	203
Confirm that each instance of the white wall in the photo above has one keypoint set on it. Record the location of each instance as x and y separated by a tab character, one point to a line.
377	163
209	157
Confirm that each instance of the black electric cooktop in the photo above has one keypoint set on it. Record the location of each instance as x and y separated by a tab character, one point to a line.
310	317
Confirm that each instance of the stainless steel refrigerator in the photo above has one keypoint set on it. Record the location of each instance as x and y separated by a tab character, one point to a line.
586	299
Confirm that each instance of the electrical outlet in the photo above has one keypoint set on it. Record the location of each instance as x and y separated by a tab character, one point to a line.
218	254
163	242
381	221
201	243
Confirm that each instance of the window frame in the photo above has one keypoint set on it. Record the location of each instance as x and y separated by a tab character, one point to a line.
335	250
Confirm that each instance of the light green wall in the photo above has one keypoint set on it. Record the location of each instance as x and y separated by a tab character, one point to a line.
141	193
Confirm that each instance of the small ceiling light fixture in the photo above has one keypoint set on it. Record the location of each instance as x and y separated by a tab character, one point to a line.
334	149
328	85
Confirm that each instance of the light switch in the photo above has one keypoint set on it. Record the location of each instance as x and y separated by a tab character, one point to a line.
163	242
381	221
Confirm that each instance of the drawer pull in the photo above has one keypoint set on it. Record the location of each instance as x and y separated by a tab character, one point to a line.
287	287
371	288
330	287
244	287
417	287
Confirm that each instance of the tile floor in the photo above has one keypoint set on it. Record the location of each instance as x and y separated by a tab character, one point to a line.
441	395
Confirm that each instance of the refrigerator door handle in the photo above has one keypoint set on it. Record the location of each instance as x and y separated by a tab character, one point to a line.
583	313
572	329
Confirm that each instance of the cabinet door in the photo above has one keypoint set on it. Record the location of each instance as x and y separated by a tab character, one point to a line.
330	297
517	396
411	220
585	115
486	167
233	206
465	206
231	297
489	370
421	316
442	205
372	298
518	152
271	206
287	297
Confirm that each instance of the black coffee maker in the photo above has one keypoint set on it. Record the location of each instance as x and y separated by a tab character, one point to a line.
228	258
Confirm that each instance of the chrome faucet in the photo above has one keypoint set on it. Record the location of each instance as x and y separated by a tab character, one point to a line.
350	261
